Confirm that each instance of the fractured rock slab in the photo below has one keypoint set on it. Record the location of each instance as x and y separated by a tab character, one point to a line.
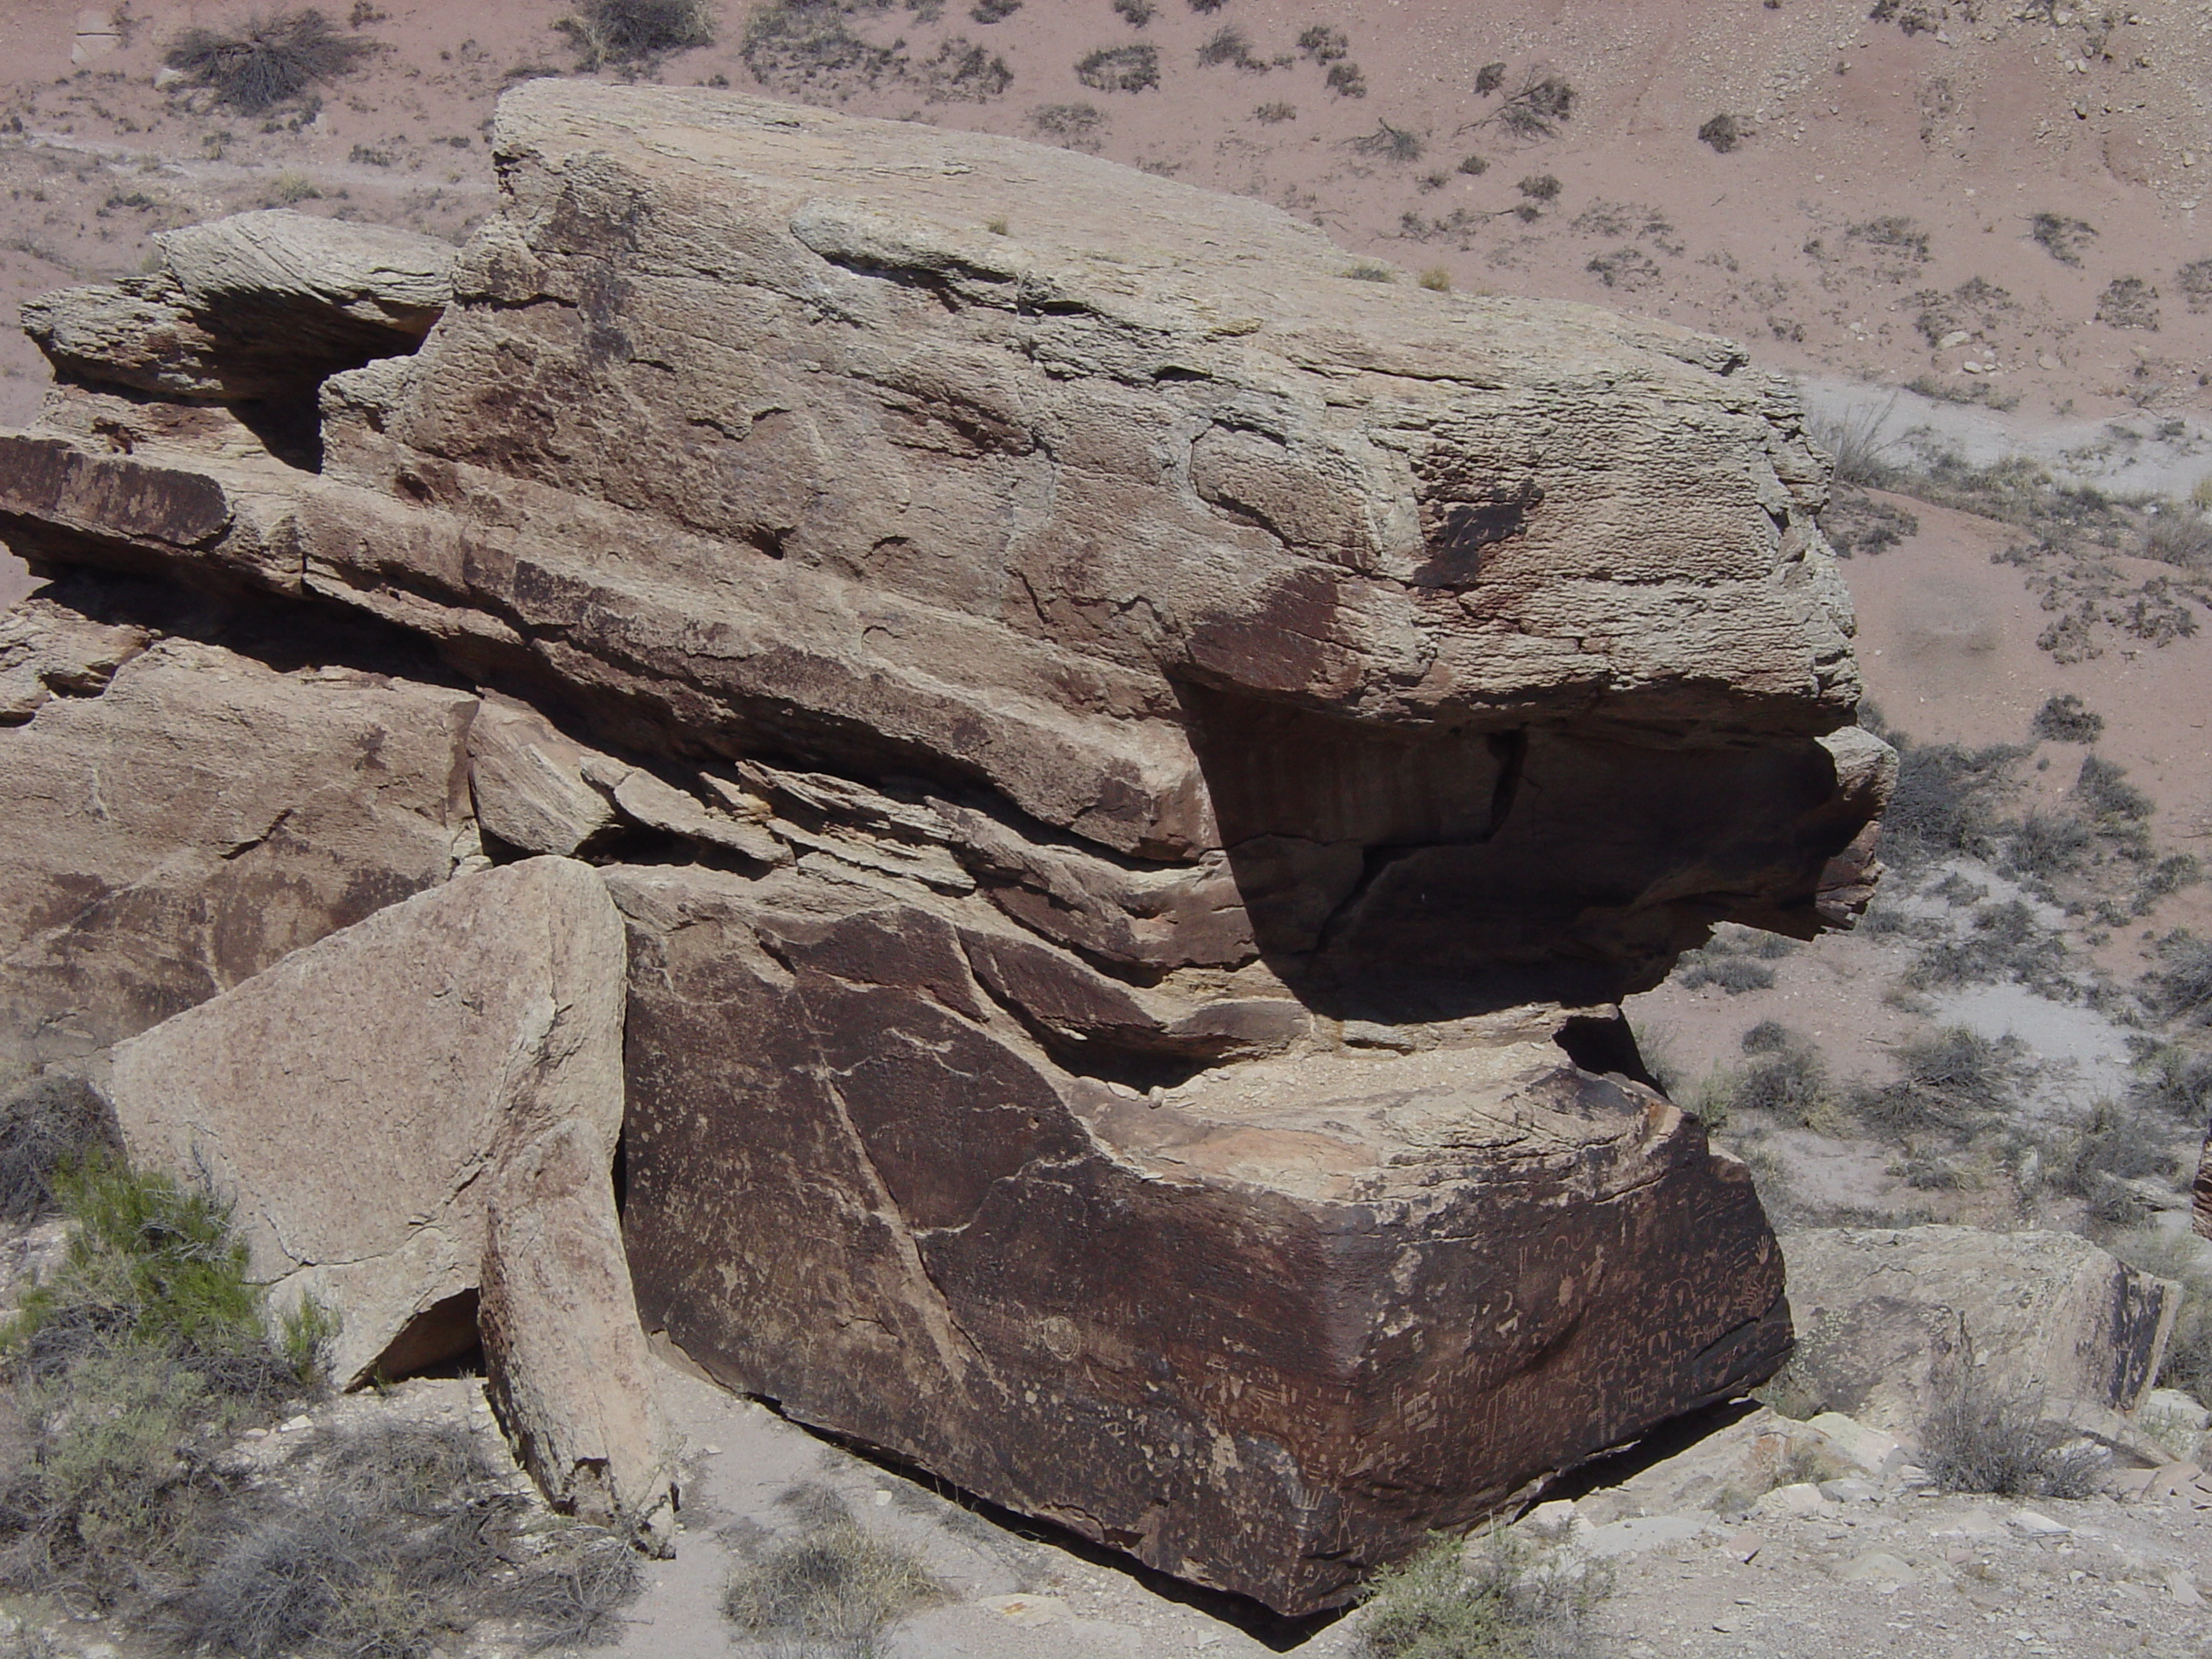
1263	1330
179	816
421	1107
1891	1320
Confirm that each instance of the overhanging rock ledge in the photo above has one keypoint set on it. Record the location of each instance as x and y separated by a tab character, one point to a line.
1135	767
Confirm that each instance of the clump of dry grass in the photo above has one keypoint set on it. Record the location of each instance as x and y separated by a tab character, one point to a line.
267	59
835	1588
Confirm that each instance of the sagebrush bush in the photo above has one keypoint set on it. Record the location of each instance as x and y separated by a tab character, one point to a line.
1121	68
2182	988
1954	1081
267	59
385	1537
1504	1598
630	31
132	1365
836	1584
1980	1441
1946	802
2065	719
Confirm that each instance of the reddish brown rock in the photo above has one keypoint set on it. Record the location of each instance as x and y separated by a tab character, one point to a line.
177	817
1263	1331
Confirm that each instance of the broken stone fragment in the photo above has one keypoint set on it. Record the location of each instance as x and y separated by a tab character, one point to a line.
527	781
1892	1323
258	306
420	1108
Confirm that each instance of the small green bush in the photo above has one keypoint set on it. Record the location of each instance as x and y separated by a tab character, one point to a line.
132	1365
267	59
1506	1598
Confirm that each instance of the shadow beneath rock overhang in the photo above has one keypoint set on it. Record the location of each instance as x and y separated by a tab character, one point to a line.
1401	874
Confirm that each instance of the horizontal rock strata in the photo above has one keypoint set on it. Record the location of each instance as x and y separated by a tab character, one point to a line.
1134	763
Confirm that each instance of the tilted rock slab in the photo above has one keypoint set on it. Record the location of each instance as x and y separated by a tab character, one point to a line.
422	1105
1180	747
1893	1321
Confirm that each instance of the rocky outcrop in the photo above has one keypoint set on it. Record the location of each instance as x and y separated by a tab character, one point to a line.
421	1108
179	816
1890	1323
1137	764
260	306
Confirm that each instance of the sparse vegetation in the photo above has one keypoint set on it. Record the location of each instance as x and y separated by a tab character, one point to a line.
132	1363
1474	166
1368	271
1539	187
2128	302
1346	80
1979	1441
1228	45
2059	236
1954	1081
267	59
1488	79
1390	143
1855	523
1121	68
2065	719
384	1539
1859	444
2194	281
604	32
995	11
2180	539
1537	108
1946	801
1075	125
1502	1597
1436	279
1136	13
1630	269
2180	1257
2182	988
836	1583
1324	44
51	1126
1722	133
1275	114
1894	234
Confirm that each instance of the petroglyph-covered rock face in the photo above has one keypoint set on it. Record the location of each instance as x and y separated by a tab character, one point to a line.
1139	763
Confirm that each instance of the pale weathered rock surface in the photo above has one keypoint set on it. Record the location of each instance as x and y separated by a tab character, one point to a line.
1891	1321
260	306
420	1106
177	817
1143	762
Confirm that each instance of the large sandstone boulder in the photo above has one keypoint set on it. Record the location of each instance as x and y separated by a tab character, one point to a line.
421	1107
1891	1320
1259	1329
1141	763
179	816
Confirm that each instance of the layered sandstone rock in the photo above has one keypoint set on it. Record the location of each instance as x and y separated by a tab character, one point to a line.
179	816
424	1106
1891	1321
1139	762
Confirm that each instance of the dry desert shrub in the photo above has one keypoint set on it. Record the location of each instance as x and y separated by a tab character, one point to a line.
1136	13
833	1590
1722	133
605	32
1505	1597
50	1126
2060	236
267	59
2064	719
1980	1441
1121	68
2128	302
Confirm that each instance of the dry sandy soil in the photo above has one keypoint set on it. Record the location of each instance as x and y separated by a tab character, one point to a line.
2002	207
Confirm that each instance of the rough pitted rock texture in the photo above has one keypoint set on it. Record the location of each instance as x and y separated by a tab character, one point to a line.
1141	763
421	1107
177	817
1891	1321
